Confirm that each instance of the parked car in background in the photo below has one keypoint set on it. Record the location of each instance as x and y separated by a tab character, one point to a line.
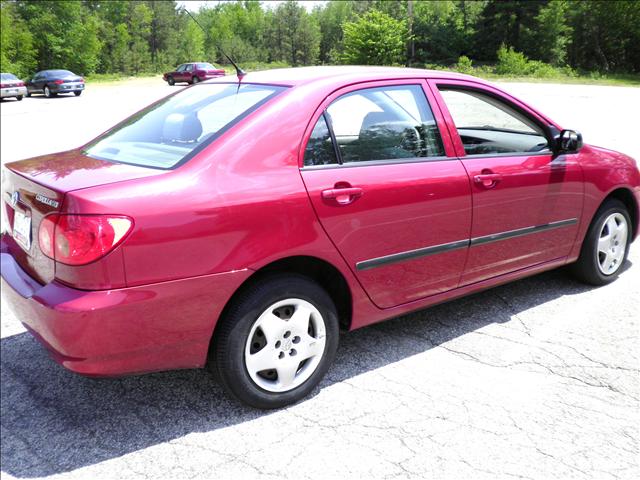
52	82
11	86
192	73
247	220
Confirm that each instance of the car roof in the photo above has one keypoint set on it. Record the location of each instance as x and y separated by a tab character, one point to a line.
341	75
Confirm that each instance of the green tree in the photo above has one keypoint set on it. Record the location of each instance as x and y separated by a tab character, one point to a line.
552	33
66	34
330	18
292	35
374	39
140	30
17	53
191	43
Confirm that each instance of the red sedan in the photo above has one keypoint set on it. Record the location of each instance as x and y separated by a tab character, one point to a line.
192	73
247	220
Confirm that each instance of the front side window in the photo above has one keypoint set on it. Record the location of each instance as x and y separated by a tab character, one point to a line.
488	126
385	123
165	134
181	68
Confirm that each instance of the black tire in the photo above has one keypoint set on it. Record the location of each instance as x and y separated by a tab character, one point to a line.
48	93
587	268
78	93
171	81
231	338
19	97
194	80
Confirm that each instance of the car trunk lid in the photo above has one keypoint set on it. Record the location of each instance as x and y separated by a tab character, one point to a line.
34	188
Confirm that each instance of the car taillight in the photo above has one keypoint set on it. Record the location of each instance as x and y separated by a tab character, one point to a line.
3	85
81	239
81	80
21	84
59	82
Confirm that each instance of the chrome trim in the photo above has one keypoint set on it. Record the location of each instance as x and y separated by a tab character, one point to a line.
496	237
420	252
447	247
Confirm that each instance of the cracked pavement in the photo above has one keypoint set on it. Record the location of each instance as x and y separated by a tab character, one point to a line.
535	379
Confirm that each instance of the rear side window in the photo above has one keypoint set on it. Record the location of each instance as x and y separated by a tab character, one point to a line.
173	130
320	149
206	66
487	125
385	123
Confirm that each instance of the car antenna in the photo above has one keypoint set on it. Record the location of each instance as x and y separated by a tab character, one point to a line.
239	72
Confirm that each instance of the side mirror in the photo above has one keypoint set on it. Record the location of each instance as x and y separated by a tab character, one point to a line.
569	141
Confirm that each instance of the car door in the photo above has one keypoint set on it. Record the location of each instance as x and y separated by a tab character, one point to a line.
527	201
188	72
179	73
34	83
384	181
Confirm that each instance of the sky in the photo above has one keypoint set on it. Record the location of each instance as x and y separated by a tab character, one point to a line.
194	5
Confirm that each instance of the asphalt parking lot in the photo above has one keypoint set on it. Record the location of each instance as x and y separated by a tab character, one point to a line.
536	379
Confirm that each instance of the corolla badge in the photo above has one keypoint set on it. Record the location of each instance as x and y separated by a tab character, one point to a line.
47	201
15	198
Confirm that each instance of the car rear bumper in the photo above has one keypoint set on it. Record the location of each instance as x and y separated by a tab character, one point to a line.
163	326
67	87
13	92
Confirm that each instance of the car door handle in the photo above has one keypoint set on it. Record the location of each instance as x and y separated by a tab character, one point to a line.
343	196
487	180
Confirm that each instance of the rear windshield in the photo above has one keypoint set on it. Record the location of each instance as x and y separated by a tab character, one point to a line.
172	131
205	66
58	73
8	76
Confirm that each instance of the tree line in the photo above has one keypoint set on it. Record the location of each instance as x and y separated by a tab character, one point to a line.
134	37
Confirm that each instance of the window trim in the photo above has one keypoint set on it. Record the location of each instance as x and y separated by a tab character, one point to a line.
432	102
542	122
375	163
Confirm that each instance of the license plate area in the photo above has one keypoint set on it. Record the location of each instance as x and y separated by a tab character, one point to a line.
22	229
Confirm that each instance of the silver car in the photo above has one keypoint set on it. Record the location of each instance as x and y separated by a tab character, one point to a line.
11	86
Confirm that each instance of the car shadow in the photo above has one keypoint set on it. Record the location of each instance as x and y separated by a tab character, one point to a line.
54	421
58	95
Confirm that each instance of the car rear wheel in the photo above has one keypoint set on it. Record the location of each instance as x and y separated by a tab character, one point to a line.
276	341
48	93
19	97
195	80
606	245
171	81
78	93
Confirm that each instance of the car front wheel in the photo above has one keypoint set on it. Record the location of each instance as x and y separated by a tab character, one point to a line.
606	245
276	341
171	81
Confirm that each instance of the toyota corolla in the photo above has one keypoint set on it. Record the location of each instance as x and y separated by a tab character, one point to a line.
243	222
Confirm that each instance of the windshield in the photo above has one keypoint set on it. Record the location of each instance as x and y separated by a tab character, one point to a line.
172	131
8	76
